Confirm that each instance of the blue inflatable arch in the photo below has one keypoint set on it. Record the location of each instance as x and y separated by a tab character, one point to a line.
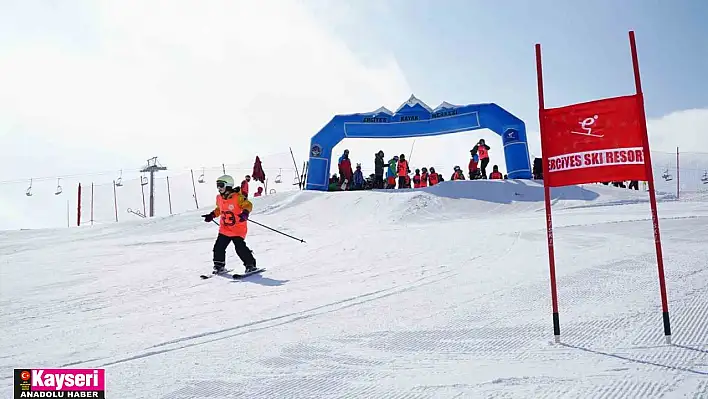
415	119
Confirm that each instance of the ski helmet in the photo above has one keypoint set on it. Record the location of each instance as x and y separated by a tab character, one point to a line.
227	180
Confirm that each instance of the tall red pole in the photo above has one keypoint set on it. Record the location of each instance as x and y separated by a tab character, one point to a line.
547	198
652	192
78	207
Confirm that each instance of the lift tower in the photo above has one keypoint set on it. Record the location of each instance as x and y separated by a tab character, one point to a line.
152	167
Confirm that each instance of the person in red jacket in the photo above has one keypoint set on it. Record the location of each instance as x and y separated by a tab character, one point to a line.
434	177
416	179
482	150
424	177
233	209
457	174
496	174
472	167
345	170
403	171
244	186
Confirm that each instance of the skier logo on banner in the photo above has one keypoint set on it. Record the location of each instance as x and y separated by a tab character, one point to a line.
586	124
316	150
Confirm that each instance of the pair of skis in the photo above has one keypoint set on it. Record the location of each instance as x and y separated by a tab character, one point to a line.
229	274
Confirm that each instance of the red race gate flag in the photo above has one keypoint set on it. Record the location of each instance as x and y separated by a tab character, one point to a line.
612	144
596	141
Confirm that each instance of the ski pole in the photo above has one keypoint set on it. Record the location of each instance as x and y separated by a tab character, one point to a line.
277	231
269	228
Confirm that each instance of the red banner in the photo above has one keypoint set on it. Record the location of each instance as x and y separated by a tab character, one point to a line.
597	141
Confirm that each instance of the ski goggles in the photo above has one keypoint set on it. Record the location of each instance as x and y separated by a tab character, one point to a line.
220	184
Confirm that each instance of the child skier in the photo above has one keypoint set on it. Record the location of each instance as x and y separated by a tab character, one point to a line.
233	208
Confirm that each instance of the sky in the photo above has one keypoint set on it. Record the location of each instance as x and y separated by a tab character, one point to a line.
93	88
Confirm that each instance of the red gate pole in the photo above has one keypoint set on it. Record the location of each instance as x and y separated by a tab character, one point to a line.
652	192
547	198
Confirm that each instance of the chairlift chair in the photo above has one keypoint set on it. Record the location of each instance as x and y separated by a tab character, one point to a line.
119	181
29	189
201	178
704	178
143	181
666	175
278	179
59	189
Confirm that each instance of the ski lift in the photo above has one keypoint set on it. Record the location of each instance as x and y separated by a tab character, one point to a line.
143	180
29	189
119	182
666	175
704	178
278	179
201	178
59	189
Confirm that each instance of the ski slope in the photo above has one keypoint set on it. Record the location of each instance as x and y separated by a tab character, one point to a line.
435	293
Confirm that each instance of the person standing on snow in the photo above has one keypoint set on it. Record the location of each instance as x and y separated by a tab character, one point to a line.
379	164
424	177
482	150
244	186
233	209
391	172
416	179
345	170
358	183
403	171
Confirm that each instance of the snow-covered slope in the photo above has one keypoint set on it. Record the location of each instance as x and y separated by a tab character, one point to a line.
437	293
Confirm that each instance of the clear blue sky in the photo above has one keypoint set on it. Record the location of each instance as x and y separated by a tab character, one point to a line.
467	51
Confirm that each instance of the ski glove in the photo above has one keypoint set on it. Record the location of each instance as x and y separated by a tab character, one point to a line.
243	216
209	216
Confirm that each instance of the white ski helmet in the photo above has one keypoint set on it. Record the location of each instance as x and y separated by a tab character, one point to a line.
227	180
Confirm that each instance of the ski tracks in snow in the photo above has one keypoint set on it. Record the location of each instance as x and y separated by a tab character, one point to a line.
266	323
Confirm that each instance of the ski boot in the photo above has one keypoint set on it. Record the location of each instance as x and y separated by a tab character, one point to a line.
219	268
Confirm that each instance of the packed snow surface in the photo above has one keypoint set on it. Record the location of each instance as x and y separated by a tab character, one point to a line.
435	293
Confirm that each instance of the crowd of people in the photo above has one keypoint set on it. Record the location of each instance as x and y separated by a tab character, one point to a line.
397	172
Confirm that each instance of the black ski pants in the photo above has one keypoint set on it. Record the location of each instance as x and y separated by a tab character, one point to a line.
378	180
483	166
243	252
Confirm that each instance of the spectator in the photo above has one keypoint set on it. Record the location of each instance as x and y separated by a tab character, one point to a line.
345	170
482	150
334	183
496	174
403	171
391	173
424	177
244	186
473	169
457	174
358	178
379	164
416	179
435	177
259	192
